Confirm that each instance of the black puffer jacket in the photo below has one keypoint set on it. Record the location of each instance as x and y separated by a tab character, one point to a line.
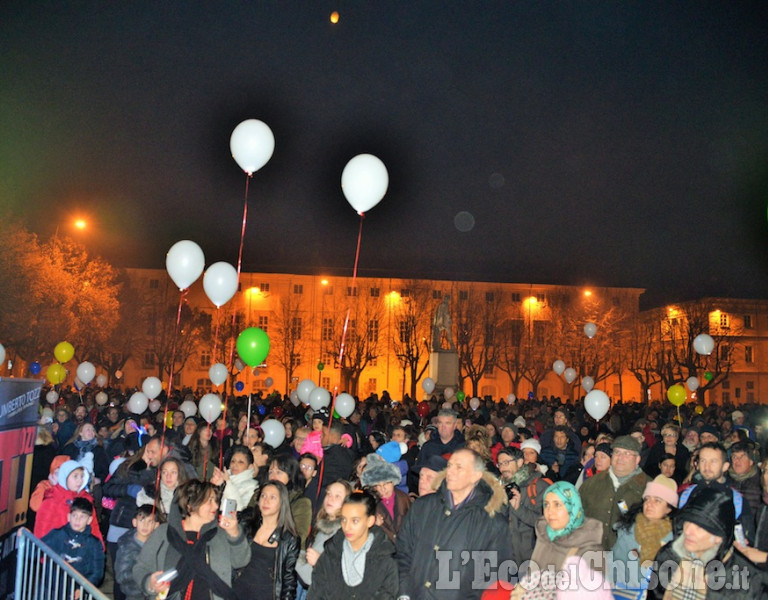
119	487
379	581
432	525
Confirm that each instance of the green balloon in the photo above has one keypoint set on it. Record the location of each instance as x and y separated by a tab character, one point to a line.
320	366
460	395
708	376
253	346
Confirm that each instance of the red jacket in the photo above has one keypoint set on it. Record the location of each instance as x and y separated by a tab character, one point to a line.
54	511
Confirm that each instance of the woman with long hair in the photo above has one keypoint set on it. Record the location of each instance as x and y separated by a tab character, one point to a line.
285	469
203	552
327	523
172	475
204	448
270	573
239	478
85	440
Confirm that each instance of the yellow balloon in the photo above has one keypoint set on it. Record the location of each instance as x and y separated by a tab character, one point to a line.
699	409
56	373
169	419
676	394
64	351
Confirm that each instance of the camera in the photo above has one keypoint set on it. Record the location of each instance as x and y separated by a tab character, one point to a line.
510	488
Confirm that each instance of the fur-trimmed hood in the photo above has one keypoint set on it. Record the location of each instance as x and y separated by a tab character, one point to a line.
497	495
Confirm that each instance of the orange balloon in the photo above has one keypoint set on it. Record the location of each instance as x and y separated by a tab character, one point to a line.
334	17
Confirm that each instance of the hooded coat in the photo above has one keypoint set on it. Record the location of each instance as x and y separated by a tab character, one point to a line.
54	509
432	525
522	521
379	581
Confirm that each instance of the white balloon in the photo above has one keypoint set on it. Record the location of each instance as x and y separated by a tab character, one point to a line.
101	380
304	388
189	408
295	400
692	383
138	403
252	144
52	396
597	404
2	354
590	329
345	405
268	382
569	374
319	398
511	398
239	364
274	432
185	262
447	405
79	385
86	372
210	407
152	387
448	393
428	385
364	182
218	373
220	283
703	344
101	398
558	367
474	403
154	405
587	383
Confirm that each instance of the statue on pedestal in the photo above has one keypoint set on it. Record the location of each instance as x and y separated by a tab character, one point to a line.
442	327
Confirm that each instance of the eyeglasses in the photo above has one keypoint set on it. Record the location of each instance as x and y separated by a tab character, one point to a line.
504	463
305	468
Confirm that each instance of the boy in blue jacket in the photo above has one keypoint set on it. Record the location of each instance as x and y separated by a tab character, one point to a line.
76	544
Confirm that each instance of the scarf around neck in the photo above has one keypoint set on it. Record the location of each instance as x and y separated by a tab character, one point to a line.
193	563
649	534
353	563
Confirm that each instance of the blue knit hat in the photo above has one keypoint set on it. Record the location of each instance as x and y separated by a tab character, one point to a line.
568	493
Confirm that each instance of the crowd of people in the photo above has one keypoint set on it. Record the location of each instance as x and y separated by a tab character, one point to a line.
406	500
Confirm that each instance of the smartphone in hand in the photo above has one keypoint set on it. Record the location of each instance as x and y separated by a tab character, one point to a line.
229	509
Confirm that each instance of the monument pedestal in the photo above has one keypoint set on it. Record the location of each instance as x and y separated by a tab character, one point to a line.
444	369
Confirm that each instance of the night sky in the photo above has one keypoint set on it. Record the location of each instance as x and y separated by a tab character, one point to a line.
598	143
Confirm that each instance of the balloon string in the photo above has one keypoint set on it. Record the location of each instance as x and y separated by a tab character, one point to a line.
182	296
207	452
216	335
342	346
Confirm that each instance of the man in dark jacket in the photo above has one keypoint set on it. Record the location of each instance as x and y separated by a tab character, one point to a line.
446	534
336	464
561	455
448	438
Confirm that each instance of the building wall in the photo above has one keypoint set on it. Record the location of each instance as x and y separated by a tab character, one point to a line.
321	297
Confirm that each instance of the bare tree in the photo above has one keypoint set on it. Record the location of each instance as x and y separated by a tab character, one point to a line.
413	320
478	320
290	335
363	315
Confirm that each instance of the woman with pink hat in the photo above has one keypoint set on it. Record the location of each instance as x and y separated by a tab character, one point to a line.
642	531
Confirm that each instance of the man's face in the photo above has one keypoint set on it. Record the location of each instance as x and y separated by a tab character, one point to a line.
80	413
178	418
560	419
624	461
445	427
112	414
560	438
426	478
741	462
707	438
461	475
711	464
308	468
398	435
508	466
152	453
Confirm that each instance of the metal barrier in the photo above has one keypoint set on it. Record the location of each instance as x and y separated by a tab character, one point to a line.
41	574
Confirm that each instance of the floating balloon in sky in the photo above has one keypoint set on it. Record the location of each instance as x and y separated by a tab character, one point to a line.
185	262
220	283
558	367
334	17
364	182
590	329
703	344
252	144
